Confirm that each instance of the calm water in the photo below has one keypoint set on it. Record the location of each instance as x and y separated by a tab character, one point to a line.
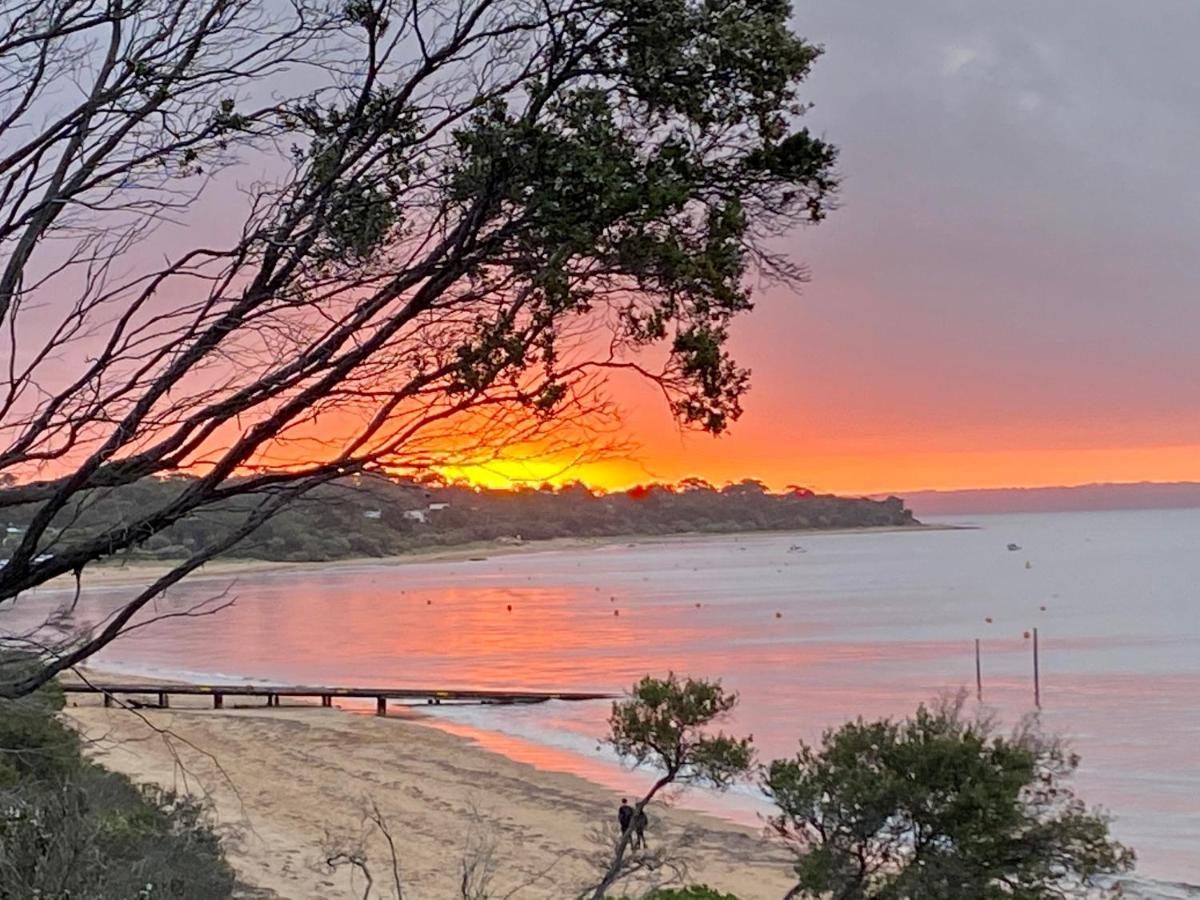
810	629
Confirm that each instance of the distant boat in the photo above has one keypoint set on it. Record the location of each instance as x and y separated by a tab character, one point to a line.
1014	547
796	548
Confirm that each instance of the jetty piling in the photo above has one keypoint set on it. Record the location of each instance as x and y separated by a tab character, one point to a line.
978	673
1037	675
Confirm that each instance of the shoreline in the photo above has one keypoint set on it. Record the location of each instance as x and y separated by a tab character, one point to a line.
128	572
285	781
691	546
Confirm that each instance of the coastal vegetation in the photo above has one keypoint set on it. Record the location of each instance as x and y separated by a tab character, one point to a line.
379	516
939	806
936	806
466	218
71	830
666	725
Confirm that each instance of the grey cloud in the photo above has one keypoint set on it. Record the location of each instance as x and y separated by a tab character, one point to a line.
1020	203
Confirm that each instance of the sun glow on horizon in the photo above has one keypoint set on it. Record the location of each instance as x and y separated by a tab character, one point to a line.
855	474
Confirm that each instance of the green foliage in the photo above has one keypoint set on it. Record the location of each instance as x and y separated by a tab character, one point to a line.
662	172
70	830
361	210
938	807
646	153
33	743
692	892
665	724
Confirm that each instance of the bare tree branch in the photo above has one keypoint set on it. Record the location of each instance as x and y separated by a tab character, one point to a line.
462	218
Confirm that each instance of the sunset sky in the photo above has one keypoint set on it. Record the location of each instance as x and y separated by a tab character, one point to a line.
1008	294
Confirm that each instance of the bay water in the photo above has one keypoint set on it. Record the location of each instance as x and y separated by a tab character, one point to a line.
810	630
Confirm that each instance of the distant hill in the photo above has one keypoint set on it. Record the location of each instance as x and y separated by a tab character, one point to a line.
1142	495
379	516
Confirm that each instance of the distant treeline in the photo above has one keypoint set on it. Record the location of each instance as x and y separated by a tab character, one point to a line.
378	516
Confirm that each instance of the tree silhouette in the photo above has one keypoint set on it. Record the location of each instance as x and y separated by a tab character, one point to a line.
473	212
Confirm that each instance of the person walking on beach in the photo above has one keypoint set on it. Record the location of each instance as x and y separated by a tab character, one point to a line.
624	815
639	830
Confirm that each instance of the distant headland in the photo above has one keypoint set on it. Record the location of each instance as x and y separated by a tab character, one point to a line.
1074	498
380	516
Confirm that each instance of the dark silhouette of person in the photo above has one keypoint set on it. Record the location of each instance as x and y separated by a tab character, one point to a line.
639	829
625	815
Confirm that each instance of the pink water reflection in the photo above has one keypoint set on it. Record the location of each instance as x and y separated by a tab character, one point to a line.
869	625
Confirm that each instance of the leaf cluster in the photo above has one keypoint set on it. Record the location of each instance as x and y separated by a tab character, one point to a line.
691	892
665	723
938	807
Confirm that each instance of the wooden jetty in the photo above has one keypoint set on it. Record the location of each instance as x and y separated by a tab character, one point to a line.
273	693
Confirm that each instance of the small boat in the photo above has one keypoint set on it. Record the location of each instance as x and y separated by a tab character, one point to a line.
1013	548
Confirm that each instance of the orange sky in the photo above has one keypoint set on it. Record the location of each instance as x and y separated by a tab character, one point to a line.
880	471
1006	295
857	413
889	471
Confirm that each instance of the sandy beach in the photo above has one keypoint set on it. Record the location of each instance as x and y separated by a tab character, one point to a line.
284	782
134	571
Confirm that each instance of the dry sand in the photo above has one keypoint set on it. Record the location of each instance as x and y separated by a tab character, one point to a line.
283	779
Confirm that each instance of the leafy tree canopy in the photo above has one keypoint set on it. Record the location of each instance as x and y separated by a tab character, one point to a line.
938	807
476	212
666	723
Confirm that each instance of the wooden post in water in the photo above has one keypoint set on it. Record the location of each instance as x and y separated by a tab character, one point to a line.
164	701
381	706
1037	679
218	701
326	700
978	674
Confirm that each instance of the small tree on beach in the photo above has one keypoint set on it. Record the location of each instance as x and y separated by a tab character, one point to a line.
666	724
938	807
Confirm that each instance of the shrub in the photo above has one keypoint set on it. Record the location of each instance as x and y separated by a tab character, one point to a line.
941	808
693	892
71	829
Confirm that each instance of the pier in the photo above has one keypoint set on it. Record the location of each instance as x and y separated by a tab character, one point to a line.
273	693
